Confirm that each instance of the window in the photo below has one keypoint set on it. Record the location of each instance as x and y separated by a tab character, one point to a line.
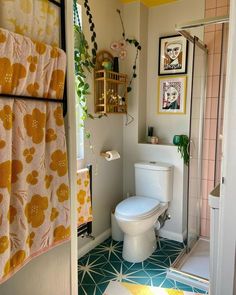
79	129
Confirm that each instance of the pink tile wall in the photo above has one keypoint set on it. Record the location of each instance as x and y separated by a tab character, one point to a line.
213	39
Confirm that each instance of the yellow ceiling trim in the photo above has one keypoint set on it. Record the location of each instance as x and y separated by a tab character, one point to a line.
150	3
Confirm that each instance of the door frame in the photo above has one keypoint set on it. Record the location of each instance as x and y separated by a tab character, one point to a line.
225	283
71	143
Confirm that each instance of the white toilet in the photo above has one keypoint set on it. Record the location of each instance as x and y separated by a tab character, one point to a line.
137	215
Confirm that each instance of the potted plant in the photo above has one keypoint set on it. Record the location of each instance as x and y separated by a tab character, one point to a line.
182	141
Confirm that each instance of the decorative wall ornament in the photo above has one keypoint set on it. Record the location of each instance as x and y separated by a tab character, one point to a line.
119	47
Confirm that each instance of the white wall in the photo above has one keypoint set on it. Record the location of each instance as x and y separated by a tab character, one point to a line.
137	98
107	133
153	23
142	102
162	21
47	274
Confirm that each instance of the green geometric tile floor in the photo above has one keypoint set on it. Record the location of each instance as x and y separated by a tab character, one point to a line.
105	263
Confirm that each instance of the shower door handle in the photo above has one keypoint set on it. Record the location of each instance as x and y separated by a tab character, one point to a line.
189	148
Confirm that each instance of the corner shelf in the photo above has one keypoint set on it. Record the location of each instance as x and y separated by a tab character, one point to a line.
110	90
158	144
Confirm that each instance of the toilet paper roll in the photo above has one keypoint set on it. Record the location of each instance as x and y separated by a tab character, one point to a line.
112	155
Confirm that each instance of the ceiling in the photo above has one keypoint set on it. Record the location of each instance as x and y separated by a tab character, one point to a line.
150	3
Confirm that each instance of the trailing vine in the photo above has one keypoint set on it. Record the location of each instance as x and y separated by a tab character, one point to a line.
92	30
138	49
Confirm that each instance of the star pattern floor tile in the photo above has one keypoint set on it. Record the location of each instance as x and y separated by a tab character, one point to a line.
105	263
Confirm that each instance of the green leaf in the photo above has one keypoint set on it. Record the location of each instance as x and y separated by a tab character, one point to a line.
91	116
87	135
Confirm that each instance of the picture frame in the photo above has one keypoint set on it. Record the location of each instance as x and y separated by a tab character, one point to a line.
173	59
172	91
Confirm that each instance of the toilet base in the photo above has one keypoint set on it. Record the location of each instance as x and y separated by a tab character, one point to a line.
139	247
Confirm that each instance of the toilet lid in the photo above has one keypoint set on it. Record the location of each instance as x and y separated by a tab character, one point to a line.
136	207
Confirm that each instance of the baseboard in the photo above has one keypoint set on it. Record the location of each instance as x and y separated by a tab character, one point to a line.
171	235
94	243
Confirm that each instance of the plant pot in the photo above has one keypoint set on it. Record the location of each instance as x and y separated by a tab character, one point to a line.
177	139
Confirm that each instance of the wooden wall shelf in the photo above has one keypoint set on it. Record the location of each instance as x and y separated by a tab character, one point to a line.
110	90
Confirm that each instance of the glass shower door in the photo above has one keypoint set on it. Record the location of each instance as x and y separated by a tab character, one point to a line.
198	95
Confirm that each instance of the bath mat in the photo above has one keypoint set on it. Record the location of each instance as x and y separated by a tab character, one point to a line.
117	288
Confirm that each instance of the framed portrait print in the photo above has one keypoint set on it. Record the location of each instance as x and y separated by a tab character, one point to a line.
173	51
172	95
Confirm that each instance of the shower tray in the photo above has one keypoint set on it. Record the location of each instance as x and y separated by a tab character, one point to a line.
193	268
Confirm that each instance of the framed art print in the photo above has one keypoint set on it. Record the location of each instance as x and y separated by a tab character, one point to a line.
172	95
173	51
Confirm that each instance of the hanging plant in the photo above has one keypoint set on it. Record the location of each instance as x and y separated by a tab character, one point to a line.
182	141
138	47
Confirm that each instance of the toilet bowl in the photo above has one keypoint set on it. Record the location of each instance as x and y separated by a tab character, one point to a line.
138	214
136	217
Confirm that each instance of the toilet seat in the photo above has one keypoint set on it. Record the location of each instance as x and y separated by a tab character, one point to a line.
136	208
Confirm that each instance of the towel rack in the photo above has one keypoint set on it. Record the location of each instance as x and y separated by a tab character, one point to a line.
15	96
86	229
61	5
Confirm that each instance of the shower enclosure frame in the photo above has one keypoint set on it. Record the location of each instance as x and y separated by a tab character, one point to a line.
182	29
191	241
175	271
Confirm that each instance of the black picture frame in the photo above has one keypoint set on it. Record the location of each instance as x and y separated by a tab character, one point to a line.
173	55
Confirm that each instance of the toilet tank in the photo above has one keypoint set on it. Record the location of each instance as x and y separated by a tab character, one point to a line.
154	180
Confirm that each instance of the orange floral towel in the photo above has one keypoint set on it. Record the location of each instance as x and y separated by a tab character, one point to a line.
37	19
34	186
30	68
34	189
84	197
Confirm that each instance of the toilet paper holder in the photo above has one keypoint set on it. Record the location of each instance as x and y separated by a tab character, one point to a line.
104	154
110	155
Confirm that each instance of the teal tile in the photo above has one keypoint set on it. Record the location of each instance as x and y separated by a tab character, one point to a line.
110	249
152	273
167	283
113	271
183	287
152	265
136	277
159	261
102	286
105	263
196	290
89	290
115	267
157	281
90	269
139	265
